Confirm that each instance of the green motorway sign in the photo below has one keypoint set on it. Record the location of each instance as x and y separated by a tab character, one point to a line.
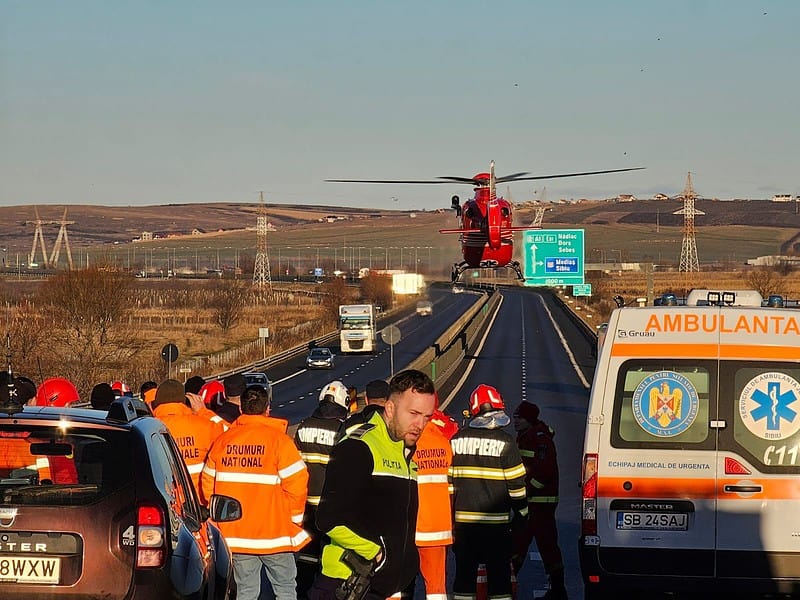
553	256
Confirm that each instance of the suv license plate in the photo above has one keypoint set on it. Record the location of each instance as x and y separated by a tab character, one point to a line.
28	569
651	520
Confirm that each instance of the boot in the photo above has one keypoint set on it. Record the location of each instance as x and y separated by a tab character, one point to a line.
557	590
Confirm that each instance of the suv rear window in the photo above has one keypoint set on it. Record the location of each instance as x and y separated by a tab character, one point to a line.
51	465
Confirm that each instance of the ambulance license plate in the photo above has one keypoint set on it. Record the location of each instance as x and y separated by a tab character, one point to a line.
653	520
29	569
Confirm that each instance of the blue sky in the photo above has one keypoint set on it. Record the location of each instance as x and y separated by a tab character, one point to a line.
154	102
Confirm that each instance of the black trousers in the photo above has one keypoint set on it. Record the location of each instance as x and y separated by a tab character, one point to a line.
487	544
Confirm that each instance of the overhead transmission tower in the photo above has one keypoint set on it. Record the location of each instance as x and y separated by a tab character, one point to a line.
62	237
540	210
261	275
38	236
50	261
689	261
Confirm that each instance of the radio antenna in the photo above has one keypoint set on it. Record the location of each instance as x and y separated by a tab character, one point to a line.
8	358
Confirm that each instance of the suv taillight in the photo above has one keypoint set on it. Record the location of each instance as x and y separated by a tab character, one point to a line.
589	502
151	543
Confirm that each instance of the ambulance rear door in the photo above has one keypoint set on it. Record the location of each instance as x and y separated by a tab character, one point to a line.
758	518
656	497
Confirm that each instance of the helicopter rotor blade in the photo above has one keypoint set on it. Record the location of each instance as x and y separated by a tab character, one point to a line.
504	179
511	177
426	181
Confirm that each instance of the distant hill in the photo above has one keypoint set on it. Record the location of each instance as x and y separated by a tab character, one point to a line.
108	224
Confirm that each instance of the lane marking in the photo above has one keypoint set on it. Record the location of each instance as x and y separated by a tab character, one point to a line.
571	356
477	352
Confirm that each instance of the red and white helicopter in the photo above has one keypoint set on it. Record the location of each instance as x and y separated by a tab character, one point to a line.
487	230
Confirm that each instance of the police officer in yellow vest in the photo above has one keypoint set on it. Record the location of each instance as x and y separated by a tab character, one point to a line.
369	500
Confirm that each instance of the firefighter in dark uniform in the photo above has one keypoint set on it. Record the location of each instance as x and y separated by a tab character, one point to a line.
315	438
535	443
488	480
369	500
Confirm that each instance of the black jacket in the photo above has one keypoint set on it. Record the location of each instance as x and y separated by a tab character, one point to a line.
369	504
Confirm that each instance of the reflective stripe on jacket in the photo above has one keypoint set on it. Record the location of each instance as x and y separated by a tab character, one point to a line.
369	504
192	433
538	453
434	518
259	465
488	477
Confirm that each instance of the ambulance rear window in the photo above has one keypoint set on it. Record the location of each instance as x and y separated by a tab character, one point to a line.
662	404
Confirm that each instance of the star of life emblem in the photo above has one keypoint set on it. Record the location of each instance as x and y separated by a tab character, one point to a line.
768	405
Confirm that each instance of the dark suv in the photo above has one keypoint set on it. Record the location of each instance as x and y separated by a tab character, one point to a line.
100	505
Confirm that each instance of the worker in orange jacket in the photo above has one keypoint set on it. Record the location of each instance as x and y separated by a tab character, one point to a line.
193	433
434	533
259	465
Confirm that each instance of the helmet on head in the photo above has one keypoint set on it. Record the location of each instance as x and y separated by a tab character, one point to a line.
485	398
57	391
335	392
121	389
213	393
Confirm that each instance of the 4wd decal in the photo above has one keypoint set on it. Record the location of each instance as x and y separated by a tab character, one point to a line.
665	404
767	405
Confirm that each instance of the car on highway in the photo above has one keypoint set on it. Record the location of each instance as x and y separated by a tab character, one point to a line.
320	358
97	504
256	378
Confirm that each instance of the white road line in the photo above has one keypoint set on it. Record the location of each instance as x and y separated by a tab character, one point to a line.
575	366
468	370
289	377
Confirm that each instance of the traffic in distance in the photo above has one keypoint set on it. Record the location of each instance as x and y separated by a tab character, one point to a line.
706	390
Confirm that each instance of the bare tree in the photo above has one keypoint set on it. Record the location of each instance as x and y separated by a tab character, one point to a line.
764	280
88	340
377	289
227	303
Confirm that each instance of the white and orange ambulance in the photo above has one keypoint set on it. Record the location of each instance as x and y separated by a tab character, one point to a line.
691	467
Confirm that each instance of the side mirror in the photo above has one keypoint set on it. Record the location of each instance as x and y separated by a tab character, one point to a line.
225	508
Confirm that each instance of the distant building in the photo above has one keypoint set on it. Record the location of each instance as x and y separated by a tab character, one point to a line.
626	198
782	198
198	231
660	196
147	236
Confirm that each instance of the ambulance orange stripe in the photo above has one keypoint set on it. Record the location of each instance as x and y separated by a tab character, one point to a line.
765	352
707	351
672	350
697	489
651	487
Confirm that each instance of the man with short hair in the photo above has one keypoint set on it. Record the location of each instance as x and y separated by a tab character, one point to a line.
230	409
369	500
375	394
259	465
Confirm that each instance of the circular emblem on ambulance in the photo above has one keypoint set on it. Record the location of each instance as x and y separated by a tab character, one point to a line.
768	405
665	404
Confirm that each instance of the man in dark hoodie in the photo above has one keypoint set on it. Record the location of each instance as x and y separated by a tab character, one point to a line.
538	451
315	438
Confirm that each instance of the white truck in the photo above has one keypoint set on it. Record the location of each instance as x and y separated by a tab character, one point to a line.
357	328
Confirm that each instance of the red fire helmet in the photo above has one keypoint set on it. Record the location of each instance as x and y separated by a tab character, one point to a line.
213	393
485	398
57	391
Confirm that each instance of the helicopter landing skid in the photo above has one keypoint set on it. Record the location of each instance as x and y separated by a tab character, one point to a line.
459	268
